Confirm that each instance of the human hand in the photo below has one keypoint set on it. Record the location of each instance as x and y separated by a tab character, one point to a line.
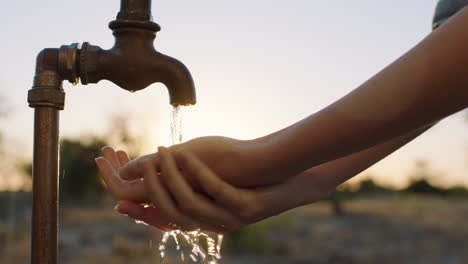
136	192
240	163
109	165
124	191
246	205
218	206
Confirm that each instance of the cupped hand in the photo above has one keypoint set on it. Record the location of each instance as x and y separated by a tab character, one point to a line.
217	206
109	165
149	203
238	162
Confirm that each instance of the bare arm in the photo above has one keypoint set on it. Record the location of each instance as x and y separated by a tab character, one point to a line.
325	177
230	207
426	84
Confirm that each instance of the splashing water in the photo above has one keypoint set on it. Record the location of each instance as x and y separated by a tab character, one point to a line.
212	253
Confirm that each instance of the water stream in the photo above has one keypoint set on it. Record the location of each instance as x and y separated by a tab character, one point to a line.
198	253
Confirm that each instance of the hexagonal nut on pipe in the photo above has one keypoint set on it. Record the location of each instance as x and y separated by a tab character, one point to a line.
67	62
89	57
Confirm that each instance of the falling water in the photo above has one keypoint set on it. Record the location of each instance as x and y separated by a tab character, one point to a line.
176	124
211	254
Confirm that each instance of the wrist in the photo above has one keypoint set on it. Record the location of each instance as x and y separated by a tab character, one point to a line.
271	161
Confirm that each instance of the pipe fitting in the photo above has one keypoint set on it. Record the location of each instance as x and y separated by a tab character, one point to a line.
135	10
46	97
89	58
135	13
47	88
67	62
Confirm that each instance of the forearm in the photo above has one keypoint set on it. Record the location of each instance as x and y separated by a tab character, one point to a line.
330	174
426	84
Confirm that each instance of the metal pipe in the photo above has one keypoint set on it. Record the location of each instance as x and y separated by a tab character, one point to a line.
47	97
45	186
131	9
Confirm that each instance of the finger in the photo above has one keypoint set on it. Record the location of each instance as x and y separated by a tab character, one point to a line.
161	198
163	201
190	203
133	169
212	185
107	171
121	190
149	215
122	157
109	154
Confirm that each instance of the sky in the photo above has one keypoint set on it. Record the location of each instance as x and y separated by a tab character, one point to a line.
258	66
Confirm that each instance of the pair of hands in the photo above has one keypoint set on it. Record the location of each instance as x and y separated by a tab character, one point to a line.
175	189
221	184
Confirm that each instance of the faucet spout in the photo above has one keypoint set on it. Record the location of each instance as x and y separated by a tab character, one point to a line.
133	63
177	79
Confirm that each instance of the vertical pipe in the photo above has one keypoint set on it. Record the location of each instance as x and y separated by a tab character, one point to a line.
45	186
135	10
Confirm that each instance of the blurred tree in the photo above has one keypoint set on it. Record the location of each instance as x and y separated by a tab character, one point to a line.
79	178
422	186
420	180
79	175
369	186
343	192
336	200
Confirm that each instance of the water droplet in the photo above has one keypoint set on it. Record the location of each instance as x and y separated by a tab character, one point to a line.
140	222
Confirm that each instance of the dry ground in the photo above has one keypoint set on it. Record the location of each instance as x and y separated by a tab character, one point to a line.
381	229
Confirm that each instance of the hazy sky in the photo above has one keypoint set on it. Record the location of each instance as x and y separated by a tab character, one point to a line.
258	66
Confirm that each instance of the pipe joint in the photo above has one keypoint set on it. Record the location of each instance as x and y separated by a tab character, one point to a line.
48	97
89	58
47	88
68	62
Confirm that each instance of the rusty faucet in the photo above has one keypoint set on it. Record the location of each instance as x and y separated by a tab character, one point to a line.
132	63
